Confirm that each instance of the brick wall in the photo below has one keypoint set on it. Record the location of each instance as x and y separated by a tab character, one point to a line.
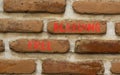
58	37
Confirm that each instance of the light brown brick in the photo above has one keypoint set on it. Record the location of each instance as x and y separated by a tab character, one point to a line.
54	46
77	27
117	28
1	46
97	46
12	25
17	66
115	67
52	6
75	68
95	7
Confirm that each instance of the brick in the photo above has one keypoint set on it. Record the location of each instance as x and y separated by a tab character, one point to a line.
117	28
64	67
17	66
114	68
54	46
12	25
77	27
97	46
94	7
51	6
1	46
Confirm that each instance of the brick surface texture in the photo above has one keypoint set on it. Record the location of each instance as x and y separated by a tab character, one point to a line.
17	66
12	25
59	37
115	69
98	46
77	27
117	26
1	46
22	45
83	68
95	7
54	6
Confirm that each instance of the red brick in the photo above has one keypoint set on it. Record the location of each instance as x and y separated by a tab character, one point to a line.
17	66
82	27
56	46
95	7
97	46
1	46
117	28
12	25
52	6
115	67
65	67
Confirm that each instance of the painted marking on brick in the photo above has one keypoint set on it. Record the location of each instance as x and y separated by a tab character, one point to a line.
37	45
76	27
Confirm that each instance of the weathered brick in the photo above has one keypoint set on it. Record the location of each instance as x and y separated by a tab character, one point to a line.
117	28
77	27
54	46
95	7
52	6
12	25
97	46
17	66
1	46
115	67
65	67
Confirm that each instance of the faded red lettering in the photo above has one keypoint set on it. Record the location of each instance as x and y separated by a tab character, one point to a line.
58	27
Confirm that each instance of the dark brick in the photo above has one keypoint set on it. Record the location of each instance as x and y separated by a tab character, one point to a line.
75	68
1	46
97	46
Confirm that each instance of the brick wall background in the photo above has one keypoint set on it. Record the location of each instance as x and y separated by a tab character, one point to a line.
95	54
